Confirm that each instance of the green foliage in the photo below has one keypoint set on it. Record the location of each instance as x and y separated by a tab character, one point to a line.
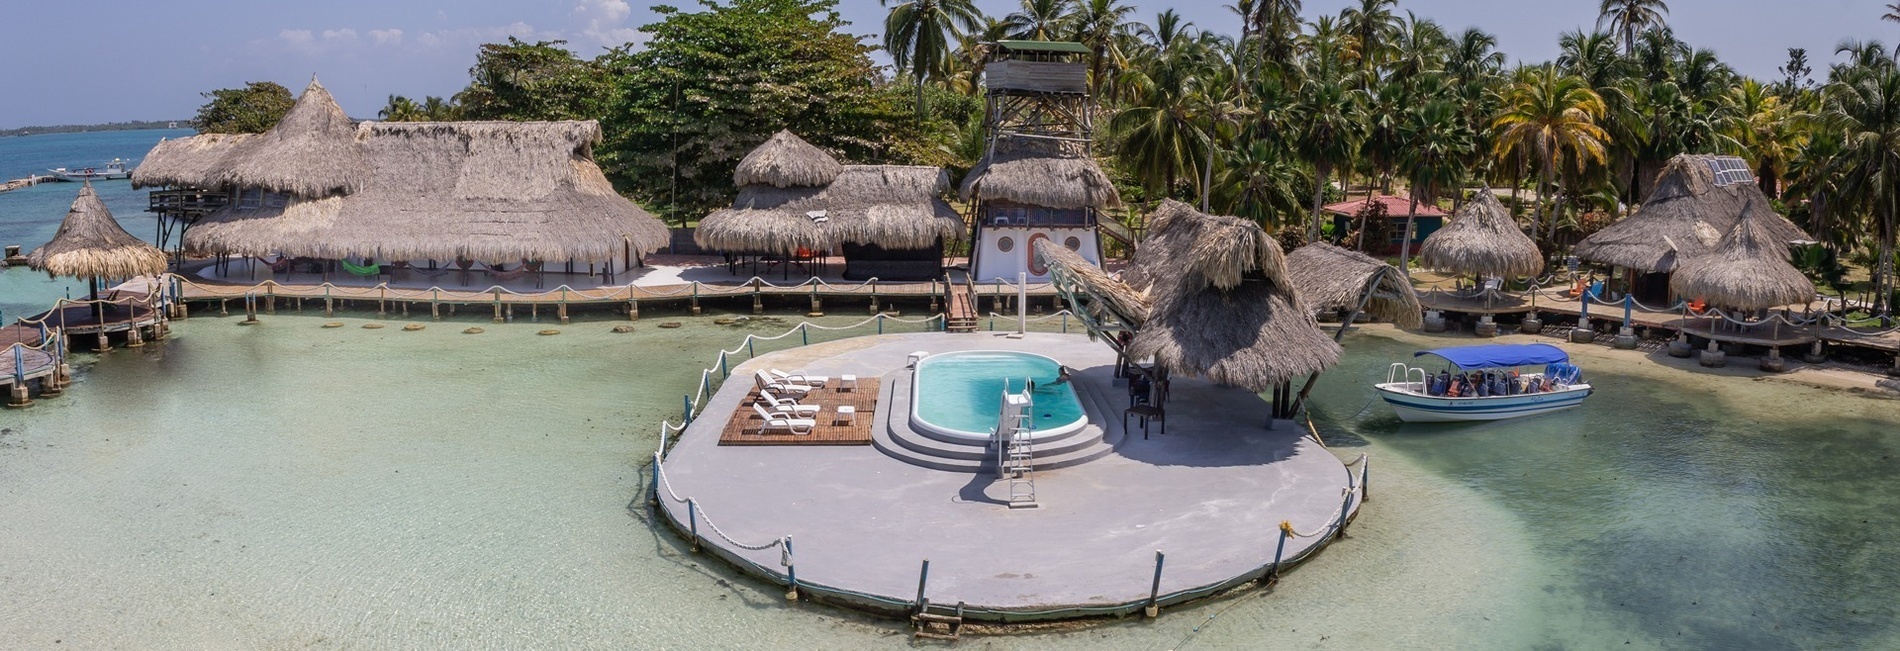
534	81
255	108
711	85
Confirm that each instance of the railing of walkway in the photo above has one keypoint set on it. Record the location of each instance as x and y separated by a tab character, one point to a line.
1352	496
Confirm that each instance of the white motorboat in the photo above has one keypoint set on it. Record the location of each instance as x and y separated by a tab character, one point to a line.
113	170
1492	382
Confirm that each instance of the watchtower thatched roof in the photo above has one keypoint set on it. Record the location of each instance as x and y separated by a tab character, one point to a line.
1748	270
1043	173
891	206
1684	218
785	161
1126	304
91	244
311	153
1223	305
1482	240
1332	278
486	191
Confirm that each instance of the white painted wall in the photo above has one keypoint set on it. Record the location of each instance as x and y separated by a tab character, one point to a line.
994	263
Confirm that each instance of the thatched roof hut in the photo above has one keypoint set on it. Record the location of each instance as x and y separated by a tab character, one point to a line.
486	191
1111	295
1332	278
892	206
1040	173
1223	305
1482	240
785	161
91	244
1692	206
1748	270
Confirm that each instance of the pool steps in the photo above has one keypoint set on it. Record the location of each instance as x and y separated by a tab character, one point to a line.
894	437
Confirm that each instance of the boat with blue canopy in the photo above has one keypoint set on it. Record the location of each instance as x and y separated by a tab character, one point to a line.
1489	382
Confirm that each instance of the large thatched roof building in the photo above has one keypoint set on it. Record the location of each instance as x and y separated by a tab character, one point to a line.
91	244
1482	240
1222	304
1697	199
1336	279
1748	270
890	220
319	186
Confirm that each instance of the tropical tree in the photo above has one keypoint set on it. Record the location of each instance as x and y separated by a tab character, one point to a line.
1436	145
1766	130
1372	27
1328	110
1551	116
1101	25
542	80
1867	108
255	108
1261	181
1038	20
918	35
1628	18
400	109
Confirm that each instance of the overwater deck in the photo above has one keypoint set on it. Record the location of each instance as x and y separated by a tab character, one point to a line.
1211	495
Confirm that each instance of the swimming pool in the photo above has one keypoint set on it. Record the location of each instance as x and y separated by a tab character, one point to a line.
960	395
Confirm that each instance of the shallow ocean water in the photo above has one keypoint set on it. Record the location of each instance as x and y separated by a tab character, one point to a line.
287	485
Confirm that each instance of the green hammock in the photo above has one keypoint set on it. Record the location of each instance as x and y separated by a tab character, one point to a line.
361	270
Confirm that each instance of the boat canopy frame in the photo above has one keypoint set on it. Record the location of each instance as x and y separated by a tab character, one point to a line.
1499	355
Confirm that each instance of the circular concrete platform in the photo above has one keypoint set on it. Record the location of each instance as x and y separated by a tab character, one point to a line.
1211	494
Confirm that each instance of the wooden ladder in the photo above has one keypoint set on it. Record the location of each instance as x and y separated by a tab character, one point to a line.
937	625
960	309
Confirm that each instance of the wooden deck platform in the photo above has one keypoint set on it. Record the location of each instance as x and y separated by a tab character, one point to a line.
1499	304
80	319
743	428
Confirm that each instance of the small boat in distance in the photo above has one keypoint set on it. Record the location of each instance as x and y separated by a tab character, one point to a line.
113	170
1491	382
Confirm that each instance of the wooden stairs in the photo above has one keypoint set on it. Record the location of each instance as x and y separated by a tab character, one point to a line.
959	308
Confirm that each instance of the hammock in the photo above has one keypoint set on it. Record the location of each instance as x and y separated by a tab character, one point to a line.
361	270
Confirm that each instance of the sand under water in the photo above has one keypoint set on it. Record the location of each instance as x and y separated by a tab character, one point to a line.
288	485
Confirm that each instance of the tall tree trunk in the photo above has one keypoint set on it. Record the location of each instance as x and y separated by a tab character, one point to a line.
920	97
1319	195
1405	238
1207	177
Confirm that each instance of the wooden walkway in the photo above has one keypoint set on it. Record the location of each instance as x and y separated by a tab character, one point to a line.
960	315
1552	301
743	428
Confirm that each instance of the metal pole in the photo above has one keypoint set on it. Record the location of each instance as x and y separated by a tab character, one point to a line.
804	334
687	411
1022	302
653	499
692	520
1365	490
1154	591
791	572
1273	573
923	578
722	365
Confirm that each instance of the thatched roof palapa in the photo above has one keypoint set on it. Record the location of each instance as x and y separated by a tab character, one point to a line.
785	161
91	244
486	191
1223	305
312	152
1043	173
1482	240
1332	278
891	206
197	161
1684	218
1748	270
1127	304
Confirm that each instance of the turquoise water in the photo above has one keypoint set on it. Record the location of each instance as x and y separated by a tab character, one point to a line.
30	216
964	391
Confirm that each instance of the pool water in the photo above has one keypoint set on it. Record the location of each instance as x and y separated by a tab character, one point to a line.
963	392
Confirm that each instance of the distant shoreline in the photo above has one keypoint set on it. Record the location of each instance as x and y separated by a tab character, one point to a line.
93	128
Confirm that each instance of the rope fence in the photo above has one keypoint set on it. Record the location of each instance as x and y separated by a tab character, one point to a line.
1353	494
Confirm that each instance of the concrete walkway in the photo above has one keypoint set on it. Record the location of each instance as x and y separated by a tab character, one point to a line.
1210	494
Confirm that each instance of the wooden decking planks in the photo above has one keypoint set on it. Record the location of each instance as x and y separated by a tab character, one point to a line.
743	428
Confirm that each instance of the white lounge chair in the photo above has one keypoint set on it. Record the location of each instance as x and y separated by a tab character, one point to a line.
788	405
784	421
801	377
767	382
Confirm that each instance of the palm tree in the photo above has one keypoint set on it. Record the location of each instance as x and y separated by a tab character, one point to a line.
1549	116
400	109
1437	143
1218	106
1159	134
1261	182
1631	17
1767	131
1100	25
436	109
918	34
1329	112
1373	28
1272	26
1867	107
1038	20
1893	12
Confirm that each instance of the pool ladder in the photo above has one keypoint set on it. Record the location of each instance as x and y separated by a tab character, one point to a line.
1016	456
